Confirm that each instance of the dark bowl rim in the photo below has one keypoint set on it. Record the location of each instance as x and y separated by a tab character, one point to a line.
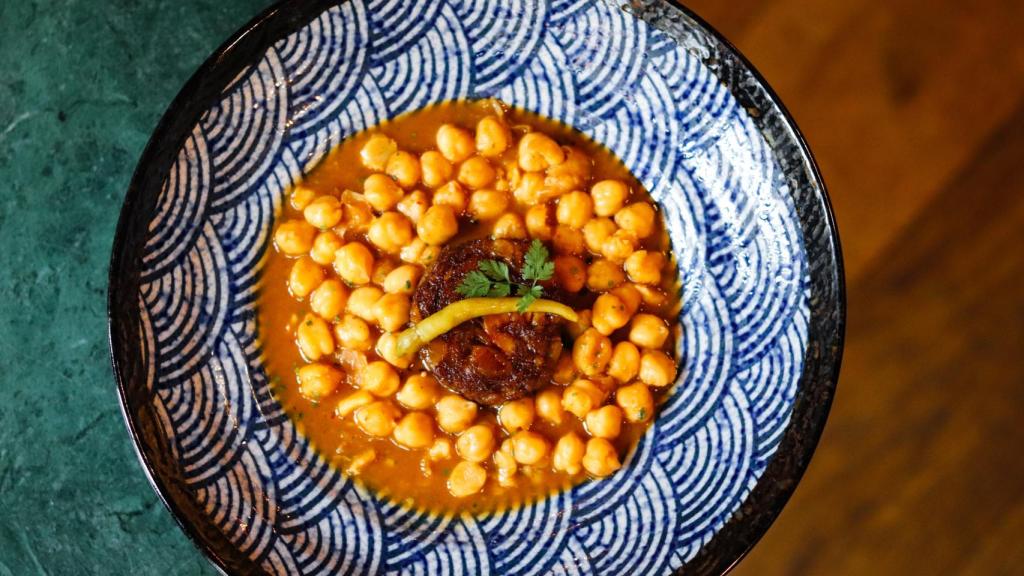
710	561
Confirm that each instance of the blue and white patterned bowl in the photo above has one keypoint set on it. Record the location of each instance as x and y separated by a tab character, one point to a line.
749	221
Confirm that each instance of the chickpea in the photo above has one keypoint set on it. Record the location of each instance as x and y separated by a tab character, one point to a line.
488	204
294	237
361	302
404	168
651	295
516	415
435	168
305	276
358	212
625	362
387	348
466	479
301	197
417	252
492	136
414	205
630	296
571	174
604	275
451	194
381	192
419	392
454	143
377	418
476	444
636	402
645	267
648	331
381	269
441	449
376	151
438	225
324	247
350	403
591	352
605	422
476	173
567	240
619	246
403	280
609	196
657	369
505	462
538	222
637	218
318	380
582	323
379	379
609	314
392	311
580	397
529	448
530	189
511	226
390	232
414	430
329	299
549	405
324	212
314	338
600	458
570	273
568	454
596	231
538	151
565	369
574	209
354	263
455	413
353	333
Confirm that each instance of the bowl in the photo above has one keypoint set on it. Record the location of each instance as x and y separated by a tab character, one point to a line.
747	212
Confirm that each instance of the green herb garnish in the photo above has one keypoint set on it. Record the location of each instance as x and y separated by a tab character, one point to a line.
492	278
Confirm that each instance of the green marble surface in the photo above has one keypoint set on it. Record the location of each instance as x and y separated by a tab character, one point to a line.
82	85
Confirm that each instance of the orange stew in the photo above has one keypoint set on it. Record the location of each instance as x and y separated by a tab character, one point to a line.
364	229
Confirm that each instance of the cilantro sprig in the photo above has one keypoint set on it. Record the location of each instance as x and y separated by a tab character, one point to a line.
492	278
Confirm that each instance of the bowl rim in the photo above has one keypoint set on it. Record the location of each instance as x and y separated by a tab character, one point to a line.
744	528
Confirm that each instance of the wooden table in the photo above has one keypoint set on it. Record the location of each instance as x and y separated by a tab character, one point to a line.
915	110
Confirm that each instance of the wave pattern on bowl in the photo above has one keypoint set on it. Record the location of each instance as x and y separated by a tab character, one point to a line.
659	108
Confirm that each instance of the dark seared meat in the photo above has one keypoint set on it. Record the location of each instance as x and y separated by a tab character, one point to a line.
493	359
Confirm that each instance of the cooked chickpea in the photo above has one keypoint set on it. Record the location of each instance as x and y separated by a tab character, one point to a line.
361	302
574	209
625	362
549	405
390	232
476	444
329	299
539	222
637	218
441	449
609	196
516	415
414	430
492	136
381	269
392	311
358	212
324	247
451	194
353	333
580	397
529	448
377	418
381	192
466	479
476	173
318	380
570	272
435	169
530	189
651	295
596	231
567	240
644	267
403	280
571	174
455	413
648	331
324	212
314	338
417	252
404	168
376	151
636	402
565	369
301	197
657	369
488	204
438	225
600	458
350	403
511	226
539	151
609	314
379	379
387	348
603	275
582	323
419	392
618	246
294	237
354	263
591	352
505	462
604	422
454	143
630	296
568	454
305	276
414	205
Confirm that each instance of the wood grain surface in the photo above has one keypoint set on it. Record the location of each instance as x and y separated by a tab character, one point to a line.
915	110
